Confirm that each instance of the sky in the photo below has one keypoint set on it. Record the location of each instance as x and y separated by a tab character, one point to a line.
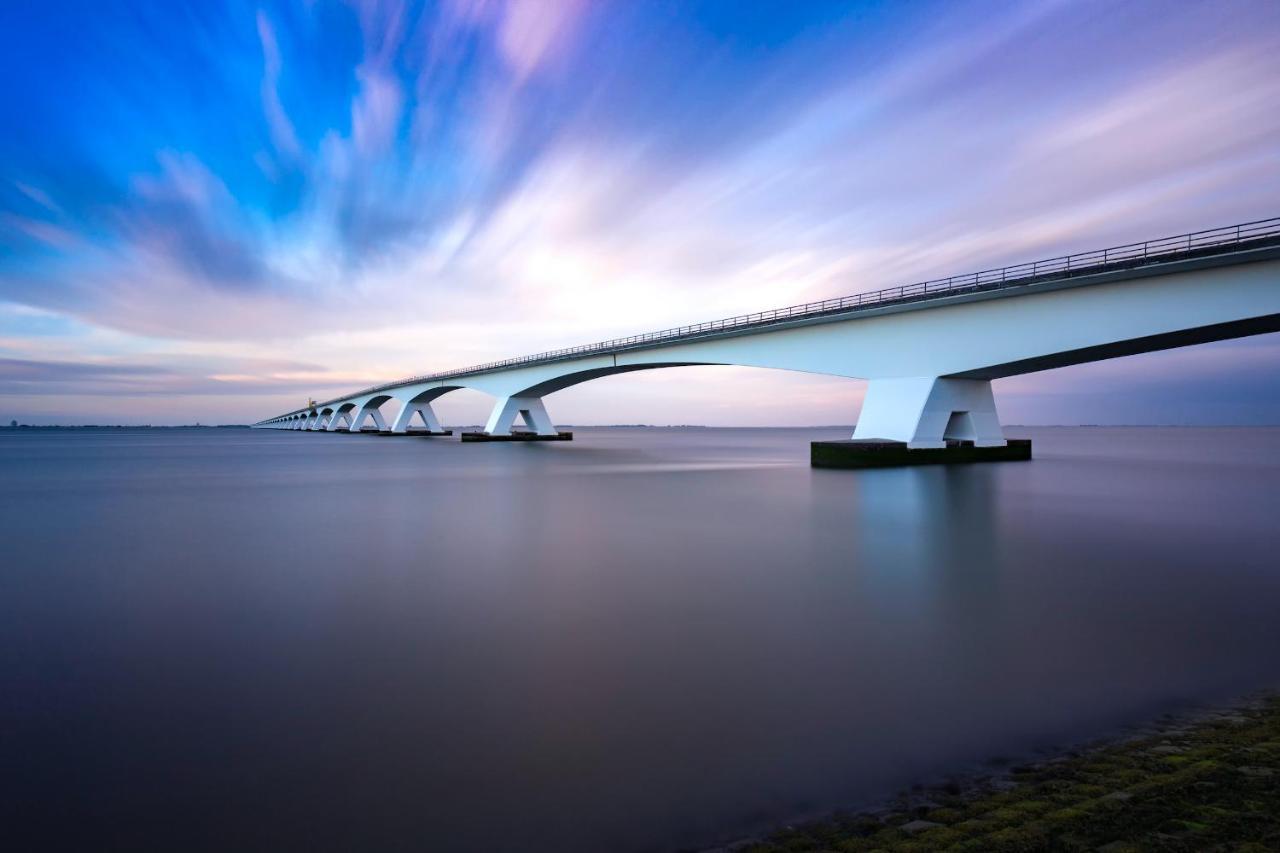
211	211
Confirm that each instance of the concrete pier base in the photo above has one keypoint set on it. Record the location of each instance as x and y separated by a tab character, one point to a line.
419	432
875	453
516	436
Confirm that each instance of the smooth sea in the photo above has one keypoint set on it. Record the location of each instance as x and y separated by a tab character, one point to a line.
643	639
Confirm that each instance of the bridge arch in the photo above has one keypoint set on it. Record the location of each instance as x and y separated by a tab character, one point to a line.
519	393
416	401
370	408
577	377
342	416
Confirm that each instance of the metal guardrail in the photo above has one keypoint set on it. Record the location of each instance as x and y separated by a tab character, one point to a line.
1198	243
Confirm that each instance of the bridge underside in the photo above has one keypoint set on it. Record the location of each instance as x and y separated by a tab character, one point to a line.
1136	346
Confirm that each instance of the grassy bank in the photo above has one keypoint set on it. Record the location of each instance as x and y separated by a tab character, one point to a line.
1205	785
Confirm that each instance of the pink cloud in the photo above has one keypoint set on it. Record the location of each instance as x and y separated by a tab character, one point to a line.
51	235
375	112
38	195
532	30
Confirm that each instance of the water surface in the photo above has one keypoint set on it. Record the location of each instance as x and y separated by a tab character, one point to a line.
640	640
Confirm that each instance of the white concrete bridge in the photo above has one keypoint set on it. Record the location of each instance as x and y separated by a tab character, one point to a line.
929	350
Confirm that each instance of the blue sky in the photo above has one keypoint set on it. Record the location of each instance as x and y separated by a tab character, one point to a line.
209	211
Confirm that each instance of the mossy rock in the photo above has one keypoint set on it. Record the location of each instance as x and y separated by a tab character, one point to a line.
1031	807
1221	792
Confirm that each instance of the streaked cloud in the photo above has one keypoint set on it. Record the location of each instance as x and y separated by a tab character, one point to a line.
283	135
378	189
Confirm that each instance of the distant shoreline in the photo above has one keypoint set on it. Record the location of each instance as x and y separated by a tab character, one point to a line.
73	427
61	427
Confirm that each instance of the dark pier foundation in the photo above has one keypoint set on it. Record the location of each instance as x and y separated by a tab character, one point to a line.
874	453
424	433
516	436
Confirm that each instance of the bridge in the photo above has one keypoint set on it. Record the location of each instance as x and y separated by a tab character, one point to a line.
928	350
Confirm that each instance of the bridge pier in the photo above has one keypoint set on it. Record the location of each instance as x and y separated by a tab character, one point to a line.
925	412
530	409
923	420
357	420
503	419
422	410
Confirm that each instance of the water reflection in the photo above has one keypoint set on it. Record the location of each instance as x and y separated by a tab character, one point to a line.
641	640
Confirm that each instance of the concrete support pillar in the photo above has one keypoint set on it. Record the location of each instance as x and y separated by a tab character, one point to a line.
371	413
926	411
424	411
530	409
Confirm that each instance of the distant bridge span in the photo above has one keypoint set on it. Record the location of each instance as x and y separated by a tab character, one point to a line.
929	350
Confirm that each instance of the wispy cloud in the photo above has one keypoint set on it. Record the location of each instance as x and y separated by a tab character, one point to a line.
113	377
384	188
282	132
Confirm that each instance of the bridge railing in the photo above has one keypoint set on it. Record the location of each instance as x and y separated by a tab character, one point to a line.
1209	242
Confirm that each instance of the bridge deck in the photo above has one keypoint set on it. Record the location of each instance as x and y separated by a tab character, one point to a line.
1210	243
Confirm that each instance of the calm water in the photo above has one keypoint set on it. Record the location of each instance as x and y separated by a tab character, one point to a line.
645	639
